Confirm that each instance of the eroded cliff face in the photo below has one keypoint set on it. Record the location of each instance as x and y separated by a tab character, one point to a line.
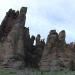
17	49
14	43
57	55
8	22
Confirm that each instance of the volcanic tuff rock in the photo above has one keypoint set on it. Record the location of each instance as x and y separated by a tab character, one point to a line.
8	22
57	55
17	48
14	40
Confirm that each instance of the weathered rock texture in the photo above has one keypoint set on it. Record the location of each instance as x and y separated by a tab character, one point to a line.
8	23
17	49
57	54
34	52
14	43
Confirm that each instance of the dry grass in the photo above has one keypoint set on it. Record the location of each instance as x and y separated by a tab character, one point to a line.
5	71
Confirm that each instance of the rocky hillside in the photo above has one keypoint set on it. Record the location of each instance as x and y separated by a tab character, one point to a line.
58	55
17	49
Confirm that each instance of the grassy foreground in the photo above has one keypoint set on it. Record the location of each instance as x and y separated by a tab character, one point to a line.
4	71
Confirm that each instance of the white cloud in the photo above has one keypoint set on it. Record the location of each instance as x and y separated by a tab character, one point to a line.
53	14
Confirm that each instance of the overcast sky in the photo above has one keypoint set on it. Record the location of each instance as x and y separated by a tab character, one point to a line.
45	15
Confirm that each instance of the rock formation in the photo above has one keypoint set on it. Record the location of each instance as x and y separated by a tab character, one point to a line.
34	52
14	43
17	48
7	23
57	55
52	42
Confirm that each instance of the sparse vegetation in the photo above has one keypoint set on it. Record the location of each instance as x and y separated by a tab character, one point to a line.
5	71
